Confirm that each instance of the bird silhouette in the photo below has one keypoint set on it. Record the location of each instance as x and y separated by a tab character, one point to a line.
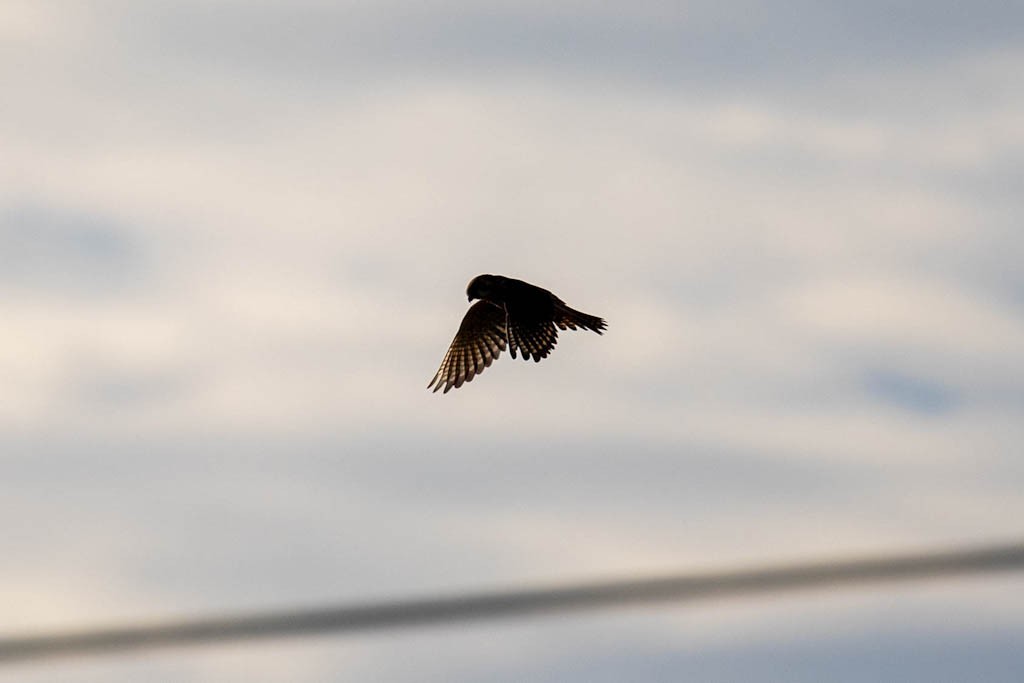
509	312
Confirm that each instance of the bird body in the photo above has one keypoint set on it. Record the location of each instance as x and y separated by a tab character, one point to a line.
509	312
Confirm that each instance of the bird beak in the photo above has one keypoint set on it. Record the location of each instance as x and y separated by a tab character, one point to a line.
469	298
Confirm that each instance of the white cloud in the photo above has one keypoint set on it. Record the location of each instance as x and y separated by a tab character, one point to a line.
302	247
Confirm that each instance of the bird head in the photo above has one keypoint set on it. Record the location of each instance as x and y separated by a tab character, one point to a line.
480	287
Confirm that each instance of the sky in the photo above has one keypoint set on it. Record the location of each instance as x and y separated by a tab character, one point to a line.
234	244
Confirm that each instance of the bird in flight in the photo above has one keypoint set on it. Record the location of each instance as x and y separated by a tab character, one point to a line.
512	312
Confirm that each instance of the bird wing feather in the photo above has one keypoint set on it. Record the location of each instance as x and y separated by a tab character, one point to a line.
481	338
535	337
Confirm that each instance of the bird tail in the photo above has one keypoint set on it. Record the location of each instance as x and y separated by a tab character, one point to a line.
572	319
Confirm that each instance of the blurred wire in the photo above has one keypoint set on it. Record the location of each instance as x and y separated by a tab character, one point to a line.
517	602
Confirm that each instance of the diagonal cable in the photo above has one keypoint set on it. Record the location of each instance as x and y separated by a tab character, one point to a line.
489	605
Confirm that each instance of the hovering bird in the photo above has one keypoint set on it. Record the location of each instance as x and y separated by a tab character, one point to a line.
511	312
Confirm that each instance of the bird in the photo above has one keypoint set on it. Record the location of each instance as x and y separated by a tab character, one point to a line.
509	312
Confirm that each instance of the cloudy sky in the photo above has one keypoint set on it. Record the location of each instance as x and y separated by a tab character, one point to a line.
234	242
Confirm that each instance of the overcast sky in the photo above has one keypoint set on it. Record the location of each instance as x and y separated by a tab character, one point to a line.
234	244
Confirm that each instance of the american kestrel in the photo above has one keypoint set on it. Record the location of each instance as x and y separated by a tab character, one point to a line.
509	312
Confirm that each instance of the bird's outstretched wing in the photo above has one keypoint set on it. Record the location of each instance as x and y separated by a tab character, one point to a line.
480	339
535	337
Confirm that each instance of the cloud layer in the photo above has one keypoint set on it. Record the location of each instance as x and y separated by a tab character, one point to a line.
234	239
